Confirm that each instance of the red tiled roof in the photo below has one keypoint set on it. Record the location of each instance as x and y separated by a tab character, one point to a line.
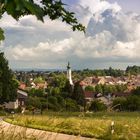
82	83
89	94
121	94
22	86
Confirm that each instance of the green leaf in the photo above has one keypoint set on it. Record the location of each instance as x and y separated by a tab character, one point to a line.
1	34
34	9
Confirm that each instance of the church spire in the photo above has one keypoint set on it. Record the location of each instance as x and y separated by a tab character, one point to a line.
68	66
69	74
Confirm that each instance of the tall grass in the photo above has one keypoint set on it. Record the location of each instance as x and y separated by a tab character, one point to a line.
98	125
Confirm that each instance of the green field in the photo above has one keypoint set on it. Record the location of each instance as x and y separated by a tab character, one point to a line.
96	125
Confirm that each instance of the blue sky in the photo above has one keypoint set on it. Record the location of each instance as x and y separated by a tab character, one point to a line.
109	39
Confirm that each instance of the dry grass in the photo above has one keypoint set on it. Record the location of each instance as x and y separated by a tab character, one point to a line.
127	125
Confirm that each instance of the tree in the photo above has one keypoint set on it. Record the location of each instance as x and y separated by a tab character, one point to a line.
97	105
36	92
119	103
54	9
98	88
8	85
90	88
78	94
133	103
136	91
71	105
39	80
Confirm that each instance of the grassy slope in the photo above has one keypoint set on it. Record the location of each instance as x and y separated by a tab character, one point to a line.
127	125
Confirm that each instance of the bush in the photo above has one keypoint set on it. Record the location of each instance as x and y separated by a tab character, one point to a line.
71	105
119	103
97	105
133	103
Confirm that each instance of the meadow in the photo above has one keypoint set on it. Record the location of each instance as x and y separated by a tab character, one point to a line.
93	125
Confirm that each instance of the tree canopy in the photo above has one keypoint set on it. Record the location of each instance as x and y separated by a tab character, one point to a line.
8	85
54	9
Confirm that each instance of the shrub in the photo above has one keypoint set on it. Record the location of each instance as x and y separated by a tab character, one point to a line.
119	103
97	105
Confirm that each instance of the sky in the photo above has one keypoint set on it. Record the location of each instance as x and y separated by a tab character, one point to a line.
112	37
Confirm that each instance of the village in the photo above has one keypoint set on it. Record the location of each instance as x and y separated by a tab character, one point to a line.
89	88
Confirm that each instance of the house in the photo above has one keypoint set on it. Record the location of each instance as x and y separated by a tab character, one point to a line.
19	102
22	86
22	98
92	81
11	105
41	85
89	95
105	100
122	94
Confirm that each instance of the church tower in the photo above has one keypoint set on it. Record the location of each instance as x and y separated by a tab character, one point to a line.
69	74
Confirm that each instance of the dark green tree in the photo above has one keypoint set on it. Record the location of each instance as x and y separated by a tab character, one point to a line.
119	103
90	88
136	91
36	92
78	94
71	105
54	9
98	88
97	105
8	85
133	103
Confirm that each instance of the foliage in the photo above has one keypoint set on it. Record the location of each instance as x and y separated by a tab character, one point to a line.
133	70
98	88
36	92
131	103
97	105
71	105
106	89
90	88
119	103
1	34
60	81
78	94
54	9
136	91
33	102
8	85
104	72
39	80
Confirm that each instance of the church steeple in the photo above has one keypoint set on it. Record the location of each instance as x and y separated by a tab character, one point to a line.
69	74
68	67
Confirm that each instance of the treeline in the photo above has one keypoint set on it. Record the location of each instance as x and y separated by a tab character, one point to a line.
104	72
134	70
130	70
106	89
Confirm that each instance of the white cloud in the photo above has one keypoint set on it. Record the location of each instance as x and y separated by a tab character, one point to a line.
97	6
112	36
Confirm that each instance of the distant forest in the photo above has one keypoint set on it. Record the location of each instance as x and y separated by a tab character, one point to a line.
130	70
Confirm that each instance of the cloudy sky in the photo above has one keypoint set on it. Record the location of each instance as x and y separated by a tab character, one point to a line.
112	37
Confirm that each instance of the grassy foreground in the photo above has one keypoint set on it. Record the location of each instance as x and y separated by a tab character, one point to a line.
97	125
